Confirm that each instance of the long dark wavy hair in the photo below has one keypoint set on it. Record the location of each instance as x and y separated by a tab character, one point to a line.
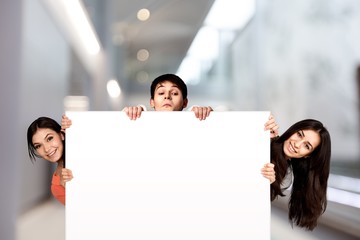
41	122
310	175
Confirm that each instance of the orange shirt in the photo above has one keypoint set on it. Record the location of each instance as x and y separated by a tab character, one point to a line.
57	189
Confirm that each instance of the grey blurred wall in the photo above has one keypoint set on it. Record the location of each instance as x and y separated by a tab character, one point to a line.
10	80
299	59
45	72
33	82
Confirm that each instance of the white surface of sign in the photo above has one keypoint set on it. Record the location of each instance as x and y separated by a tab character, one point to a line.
167	175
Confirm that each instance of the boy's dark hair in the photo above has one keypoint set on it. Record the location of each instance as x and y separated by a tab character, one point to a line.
171	78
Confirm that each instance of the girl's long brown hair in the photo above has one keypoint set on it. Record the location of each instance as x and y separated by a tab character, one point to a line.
310	175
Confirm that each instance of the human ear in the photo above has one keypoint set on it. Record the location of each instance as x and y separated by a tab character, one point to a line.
152	104
62	135
185	103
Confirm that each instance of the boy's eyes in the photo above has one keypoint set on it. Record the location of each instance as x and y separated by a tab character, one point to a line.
172	93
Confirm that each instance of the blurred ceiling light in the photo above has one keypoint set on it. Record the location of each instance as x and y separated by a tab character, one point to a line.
77	14
118	30
76	103
143	55
201	54
113	88
142	76
118	39
205	45
189	70
230	14
224	15
143	14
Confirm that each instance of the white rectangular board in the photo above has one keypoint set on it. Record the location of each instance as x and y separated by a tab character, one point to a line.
167	175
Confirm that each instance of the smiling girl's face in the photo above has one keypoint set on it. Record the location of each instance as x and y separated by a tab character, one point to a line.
48	144
301	144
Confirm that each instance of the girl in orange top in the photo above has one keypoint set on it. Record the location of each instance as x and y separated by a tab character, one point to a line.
46	140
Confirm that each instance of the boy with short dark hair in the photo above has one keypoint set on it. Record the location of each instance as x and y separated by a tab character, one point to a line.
168	93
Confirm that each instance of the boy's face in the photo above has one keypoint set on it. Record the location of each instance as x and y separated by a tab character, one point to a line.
168	97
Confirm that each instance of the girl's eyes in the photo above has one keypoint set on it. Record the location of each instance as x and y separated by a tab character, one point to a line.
49	139
307	146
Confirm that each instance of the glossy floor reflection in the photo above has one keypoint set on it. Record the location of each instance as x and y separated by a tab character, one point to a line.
47	221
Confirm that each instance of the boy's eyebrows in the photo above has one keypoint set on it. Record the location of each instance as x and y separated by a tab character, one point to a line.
159	86
173	86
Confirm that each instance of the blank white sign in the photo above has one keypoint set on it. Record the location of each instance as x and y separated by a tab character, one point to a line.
167	175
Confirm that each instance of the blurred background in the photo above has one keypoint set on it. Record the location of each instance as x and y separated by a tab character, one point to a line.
298	59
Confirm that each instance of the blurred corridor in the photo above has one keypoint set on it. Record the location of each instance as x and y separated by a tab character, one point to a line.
298	59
